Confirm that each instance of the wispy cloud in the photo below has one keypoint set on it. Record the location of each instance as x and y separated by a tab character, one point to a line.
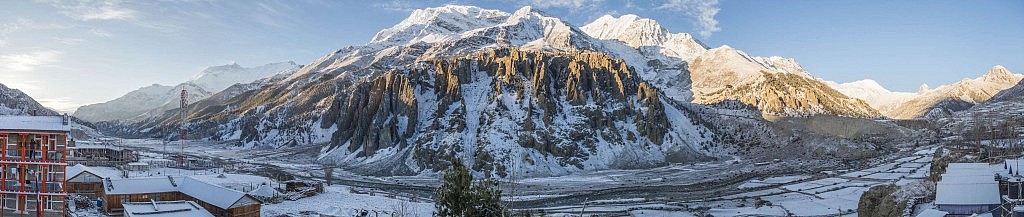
398	5
570	4
26	62
701	11
22	25
86	10
100	33
69	40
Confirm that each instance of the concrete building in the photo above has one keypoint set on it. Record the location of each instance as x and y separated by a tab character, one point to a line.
32	165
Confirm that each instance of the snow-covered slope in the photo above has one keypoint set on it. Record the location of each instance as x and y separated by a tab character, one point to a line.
138	102
944	100
776	86
647	34
873	93
15	102
688	71
152	100
216	78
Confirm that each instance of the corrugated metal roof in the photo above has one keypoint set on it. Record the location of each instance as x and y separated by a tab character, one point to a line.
210	193
43	123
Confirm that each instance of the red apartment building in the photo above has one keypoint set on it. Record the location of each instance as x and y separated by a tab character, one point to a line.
32	165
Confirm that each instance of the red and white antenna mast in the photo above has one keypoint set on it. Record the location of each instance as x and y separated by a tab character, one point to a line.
182	132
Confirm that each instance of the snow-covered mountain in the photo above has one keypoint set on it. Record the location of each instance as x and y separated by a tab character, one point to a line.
943	101
517	91
216	78
872	93
688	71
15	102
151	100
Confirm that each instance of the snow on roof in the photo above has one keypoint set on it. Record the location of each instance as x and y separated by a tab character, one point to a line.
967	178
44	123
138	164
165	209
102	172
143	185
210	193
962	167
967	184
80	145
932	213
264	191
213	194
967	194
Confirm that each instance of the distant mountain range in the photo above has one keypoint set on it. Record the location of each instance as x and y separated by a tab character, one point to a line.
154	99
935	103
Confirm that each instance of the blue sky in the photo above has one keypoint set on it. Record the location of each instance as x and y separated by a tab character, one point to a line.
70	53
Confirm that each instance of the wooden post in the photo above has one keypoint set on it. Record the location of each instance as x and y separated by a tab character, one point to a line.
329	174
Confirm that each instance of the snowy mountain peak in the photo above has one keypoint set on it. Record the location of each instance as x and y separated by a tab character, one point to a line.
868	84
923	89
872	93
438	24
784	65
639	32
999	73
217	78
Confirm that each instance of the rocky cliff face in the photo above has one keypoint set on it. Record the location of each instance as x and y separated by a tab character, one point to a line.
507	107
775	86
500	109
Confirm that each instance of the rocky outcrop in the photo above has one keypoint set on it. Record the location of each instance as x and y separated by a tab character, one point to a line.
376	115
791	94
565	107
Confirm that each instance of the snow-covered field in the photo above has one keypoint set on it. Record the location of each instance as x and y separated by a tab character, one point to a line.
340	200
648	192
797	195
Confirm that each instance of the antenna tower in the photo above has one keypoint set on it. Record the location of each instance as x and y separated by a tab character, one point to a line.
182	132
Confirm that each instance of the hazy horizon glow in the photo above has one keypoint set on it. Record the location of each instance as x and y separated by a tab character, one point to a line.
69	53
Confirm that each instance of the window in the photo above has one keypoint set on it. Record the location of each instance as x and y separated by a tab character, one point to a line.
30	203
155	197
125	198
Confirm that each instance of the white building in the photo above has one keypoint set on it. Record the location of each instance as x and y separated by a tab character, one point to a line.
967	188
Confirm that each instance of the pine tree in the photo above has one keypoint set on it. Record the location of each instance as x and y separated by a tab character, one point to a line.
459	196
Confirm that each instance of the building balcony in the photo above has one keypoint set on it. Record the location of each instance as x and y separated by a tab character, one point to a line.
52	158
16	187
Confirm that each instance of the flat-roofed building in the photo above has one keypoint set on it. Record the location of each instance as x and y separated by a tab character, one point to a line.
967	189
165	209
100	154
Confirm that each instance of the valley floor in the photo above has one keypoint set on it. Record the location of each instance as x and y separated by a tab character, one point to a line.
723	188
